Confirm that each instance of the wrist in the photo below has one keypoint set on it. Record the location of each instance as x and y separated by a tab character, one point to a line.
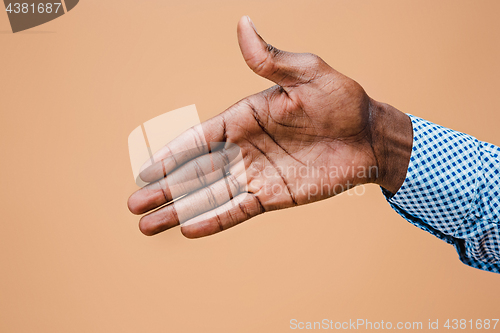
392	140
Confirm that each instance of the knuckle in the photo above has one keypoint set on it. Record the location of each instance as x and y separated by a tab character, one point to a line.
273	50
234	182
199	138
211	199
200	175
315	60
262	64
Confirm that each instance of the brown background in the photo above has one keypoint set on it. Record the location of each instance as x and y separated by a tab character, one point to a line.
72	258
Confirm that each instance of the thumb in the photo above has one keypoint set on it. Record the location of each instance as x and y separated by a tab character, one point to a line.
283	68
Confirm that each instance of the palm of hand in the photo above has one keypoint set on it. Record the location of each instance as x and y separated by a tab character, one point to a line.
304	143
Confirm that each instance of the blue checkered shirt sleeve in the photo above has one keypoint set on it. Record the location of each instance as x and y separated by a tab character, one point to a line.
452	190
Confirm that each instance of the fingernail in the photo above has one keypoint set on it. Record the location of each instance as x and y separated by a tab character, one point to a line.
253	25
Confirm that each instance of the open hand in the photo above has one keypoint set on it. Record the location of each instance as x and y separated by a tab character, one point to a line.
313	135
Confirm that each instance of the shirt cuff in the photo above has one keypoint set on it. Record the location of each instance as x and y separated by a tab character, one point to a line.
443	188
